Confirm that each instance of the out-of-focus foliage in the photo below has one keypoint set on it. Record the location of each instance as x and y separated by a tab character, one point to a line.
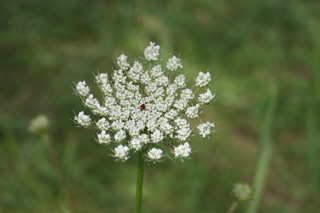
251	46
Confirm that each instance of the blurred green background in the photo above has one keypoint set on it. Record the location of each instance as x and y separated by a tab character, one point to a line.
265	56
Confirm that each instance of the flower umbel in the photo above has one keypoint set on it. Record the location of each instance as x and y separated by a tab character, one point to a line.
144	105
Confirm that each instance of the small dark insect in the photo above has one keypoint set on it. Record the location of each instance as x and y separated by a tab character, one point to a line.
143	106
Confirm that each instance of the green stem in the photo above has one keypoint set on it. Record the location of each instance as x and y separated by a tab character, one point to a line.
139	182
233	207
57	166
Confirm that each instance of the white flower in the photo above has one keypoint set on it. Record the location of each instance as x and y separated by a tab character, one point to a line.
155	154
117	125
82	88
171	89
174	63
187	94
167	128
156	71
121	152
104	138
135	71
144	138
82	119
182	151
122	62
206	98
157	136
151	53
102	78
180	104
205	128
135	144
103	124
192	112
143	105
203	79
183	133
181	123
120	135
180	81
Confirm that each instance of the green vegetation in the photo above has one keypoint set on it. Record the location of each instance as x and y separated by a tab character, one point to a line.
253	47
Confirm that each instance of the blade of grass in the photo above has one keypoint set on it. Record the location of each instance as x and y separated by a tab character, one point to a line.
264	155
312	142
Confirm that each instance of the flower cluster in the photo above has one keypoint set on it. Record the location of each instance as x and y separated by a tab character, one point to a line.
242	191
146	107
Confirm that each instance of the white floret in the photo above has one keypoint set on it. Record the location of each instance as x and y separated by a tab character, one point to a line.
156	71
135	71
144	138
82	88
193	112
135	144
206	98
205	128
155	154
151	52
103	137
171	89
203	79
82	119
120	135
183	133
187	94
117	125
122	62
92	102
121	152
180	81
103	124
181	123
174	63
157	136
182	151
181	104
102	78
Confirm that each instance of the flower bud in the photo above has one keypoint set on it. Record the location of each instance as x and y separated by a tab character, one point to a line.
39	124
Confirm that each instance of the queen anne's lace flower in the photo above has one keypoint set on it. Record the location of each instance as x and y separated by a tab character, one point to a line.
143	107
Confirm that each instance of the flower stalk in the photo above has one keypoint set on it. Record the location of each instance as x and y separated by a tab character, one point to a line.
139	186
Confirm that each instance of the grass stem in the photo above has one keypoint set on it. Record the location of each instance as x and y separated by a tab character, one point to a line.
264	156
